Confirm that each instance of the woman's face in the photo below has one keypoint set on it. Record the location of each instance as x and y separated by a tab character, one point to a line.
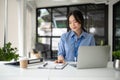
73	24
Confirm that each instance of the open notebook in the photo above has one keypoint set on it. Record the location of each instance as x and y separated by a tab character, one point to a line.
52	65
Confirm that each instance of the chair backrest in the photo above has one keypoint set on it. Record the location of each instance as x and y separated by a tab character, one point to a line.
39	47
44	49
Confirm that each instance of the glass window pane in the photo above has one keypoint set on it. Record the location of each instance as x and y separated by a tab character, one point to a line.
117	18
95	16
43	45
55	42
100	40
44	40
59	21
96	23
117	43
44	22
116	26
58	32
117	32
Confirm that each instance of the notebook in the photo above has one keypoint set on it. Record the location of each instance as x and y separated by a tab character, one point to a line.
30	61
52	65
92	57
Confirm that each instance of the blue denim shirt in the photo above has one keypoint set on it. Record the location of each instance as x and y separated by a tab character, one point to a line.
69	43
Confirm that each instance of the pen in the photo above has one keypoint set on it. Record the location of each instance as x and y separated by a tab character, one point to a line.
45	64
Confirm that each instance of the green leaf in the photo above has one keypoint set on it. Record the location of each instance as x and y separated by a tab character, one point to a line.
116	54
8	53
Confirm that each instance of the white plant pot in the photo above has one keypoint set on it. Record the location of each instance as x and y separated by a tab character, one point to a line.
116	64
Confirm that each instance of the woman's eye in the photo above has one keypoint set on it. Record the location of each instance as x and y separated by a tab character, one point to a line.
75	21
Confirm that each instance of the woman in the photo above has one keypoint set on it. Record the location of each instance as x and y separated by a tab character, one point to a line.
77	36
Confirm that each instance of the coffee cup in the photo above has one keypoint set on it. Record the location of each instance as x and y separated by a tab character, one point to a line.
23	63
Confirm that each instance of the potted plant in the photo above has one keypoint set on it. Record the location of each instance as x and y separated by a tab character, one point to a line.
7	53
116	57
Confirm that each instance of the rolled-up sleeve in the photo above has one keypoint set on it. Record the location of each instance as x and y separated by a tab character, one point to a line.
92	41
61	47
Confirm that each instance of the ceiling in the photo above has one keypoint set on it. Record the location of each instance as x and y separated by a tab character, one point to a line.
49	3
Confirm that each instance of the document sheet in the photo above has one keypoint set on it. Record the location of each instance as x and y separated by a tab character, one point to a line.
52	65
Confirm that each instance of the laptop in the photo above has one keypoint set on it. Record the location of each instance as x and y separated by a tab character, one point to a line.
92	57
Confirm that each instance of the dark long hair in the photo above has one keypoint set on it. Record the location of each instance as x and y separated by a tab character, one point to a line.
79	18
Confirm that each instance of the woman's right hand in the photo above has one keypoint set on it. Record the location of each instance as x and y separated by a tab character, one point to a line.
60	60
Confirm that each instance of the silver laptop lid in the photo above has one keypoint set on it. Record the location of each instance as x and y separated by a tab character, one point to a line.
92	56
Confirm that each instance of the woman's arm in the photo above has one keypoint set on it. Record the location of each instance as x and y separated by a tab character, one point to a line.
61	50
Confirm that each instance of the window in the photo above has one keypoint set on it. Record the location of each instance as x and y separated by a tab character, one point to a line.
52	23
116	26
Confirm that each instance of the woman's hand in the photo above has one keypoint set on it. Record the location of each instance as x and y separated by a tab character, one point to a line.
60	60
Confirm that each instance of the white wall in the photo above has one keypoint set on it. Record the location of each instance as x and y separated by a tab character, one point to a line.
2	10
26	26
12	34
31	27
13	22
48	3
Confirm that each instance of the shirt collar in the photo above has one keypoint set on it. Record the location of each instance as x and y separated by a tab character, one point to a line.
83	34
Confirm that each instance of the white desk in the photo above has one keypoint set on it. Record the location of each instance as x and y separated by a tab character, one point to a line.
68	73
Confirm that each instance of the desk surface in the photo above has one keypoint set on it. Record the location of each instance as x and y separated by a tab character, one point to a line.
8	72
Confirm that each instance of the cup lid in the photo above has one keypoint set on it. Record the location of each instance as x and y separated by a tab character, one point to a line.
23	58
